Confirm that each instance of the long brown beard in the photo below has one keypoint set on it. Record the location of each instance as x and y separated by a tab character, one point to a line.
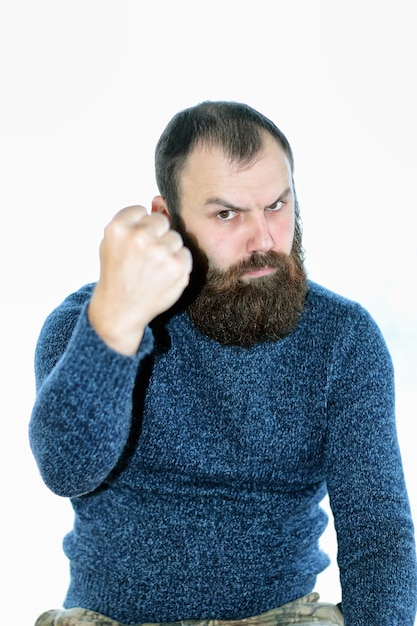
236	312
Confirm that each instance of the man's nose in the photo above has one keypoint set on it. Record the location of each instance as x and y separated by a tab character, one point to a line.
260	238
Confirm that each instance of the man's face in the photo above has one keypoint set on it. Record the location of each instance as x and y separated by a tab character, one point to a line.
234	211
248	282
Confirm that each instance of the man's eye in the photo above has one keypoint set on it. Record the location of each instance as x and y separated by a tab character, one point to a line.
225	215
277	206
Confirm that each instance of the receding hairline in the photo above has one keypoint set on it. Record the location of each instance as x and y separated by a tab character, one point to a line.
209	143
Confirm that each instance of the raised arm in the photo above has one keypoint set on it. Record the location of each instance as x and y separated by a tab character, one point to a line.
91	347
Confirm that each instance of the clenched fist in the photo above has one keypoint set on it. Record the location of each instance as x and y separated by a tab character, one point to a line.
144	268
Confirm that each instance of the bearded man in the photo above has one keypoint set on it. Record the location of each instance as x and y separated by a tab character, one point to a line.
198	402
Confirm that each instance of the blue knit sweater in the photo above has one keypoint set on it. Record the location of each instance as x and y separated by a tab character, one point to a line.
196	470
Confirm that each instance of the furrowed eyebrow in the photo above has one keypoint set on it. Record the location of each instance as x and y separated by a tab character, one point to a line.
224	204
232	207
281	197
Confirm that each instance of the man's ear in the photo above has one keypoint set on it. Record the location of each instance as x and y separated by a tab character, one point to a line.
160	206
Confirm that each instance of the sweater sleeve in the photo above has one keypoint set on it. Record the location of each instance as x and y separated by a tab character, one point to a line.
367	492
81	417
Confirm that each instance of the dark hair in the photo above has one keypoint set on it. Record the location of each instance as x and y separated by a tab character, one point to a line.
235	127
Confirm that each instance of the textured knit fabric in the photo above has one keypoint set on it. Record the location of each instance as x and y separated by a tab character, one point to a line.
196	470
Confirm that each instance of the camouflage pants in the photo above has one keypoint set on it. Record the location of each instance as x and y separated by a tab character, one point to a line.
307	611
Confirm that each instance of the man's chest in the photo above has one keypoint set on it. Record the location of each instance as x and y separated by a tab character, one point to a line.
249	415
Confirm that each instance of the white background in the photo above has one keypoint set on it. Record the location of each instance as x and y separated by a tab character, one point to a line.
86	88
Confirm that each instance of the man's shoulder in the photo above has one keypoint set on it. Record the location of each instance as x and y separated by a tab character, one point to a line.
73	302
80	295
327	310
321	297
62	319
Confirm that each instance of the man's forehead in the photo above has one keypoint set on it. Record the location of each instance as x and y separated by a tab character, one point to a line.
210	151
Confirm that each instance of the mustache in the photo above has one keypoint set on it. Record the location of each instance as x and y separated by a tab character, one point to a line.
280	261
257	261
